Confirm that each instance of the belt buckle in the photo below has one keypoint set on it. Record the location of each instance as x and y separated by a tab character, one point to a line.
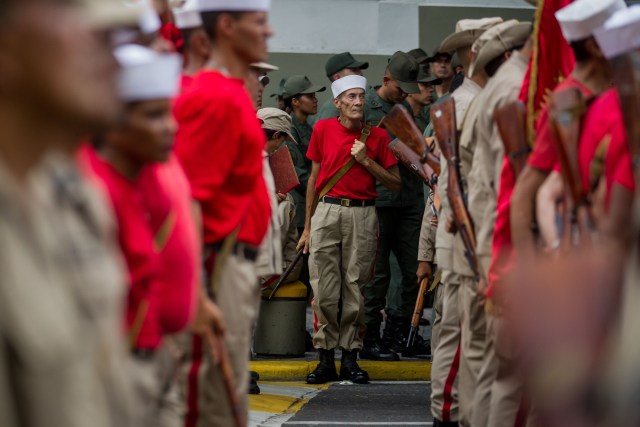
345	202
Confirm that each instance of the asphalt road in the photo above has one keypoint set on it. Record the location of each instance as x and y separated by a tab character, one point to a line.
375	404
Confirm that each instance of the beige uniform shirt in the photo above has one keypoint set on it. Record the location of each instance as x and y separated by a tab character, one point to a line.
426	245
463	96
61	301
289	236
484	176
269	261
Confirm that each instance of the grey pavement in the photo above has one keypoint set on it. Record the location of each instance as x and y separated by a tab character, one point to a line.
375	404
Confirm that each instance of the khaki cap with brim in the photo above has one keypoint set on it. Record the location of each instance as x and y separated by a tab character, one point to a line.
264	66
510	37
276	119
343	60
109	13
300	85
404	69
427	78
467	32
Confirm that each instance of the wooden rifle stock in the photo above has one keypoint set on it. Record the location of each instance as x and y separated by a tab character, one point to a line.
401	124
411	160
426	286
286	273
443	118
567	107
511	123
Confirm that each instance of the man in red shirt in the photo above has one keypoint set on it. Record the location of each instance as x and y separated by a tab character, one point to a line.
220	144
341	226
156	232
592	75
195	43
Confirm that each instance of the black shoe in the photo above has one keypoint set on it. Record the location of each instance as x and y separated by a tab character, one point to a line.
326	369
255	377
373	351
395	332
420	347
349	369
253	387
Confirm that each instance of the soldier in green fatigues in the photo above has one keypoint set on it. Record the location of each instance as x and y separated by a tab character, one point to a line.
340	65
400	217
300	98
420	102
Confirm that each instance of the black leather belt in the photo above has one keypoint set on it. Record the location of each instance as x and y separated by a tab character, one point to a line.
247	251
349	203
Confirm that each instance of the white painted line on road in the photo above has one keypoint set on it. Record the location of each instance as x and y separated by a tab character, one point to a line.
361	423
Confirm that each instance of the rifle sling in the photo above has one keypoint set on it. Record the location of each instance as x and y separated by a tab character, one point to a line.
366	131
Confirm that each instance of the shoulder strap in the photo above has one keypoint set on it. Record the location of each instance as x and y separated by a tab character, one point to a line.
366	131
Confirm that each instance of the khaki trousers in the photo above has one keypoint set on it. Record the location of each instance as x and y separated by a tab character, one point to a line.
207	403
486	377
154	381
436	321
472	341
343	252
507	408
446	358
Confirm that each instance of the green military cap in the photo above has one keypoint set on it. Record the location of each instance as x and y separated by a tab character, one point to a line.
437	53
404	69
341	61
278	92
420	55
300	85
428	78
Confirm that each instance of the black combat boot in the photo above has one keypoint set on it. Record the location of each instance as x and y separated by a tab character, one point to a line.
372	350
326	369
394	330
349	369
389	337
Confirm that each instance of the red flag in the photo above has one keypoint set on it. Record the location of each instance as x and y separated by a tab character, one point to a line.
552	60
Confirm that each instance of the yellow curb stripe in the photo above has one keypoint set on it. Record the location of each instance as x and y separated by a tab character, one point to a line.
296	384
271	403
296	406
384	371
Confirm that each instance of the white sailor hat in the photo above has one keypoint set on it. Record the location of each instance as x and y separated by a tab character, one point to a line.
187	15
148	19
234	5
621	33
348	82
582	18
146	74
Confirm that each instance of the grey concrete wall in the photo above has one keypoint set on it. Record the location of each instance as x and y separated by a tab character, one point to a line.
435	23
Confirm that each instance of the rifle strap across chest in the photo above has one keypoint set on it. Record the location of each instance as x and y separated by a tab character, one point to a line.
366	131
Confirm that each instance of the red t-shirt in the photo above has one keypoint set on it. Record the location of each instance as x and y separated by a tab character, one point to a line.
220	143
180	256
185	82
330	146
544	155
603	122
129	200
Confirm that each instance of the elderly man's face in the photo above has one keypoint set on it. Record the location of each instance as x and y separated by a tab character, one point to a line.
351	104
52	61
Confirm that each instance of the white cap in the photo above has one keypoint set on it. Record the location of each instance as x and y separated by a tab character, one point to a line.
148	19
146	74
348	82
234	5
621	33
188	15
582	18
